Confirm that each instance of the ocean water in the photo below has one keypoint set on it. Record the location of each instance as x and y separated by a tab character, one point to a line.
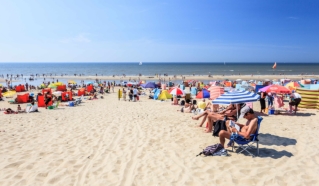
150	69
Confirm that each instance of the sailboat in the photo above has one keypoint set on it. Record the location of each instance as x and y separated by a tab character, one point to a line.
140	63
275	65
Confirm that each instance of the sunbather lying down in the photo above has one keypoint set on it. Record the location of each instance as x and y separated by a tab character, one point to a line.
9	111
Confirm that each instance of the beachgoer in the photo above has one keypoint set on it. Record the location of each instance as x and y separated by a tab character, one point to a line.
230	112
262	101
245	129
295	99
9	111
47	98
19	108
270	97
135	92
130	94
124	94
188	108
175	100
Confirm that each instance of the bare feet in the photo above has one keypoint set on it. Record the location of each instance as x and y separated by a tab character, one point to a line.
207	131
195	118
200	125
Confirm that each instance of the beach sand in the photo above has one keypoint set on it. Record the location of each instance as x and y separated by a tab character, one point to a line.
111	142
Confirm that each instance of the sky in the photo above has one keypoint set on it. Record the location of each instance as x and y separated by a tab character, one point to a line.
159	31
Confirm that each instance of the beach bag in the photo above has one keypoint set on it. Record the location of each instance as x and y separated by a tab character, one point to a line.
210	150
219	125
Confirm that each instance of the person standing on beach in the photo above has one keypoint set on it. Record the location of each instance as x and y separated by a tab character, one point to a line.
124	94
262	102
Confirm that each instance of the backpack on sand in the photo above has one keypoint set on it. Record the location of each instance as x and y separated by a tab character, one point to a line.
210	150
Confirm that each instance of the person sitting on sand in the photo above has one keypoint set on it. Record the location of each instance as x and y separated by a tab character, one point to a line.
245	129
19	109
175	100
188	108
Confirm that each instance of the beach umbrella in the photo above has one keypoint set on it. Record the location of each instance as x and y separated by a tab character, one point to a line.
275	89
216	91
149	85
71	82
203	94
235	97
176	91
292	85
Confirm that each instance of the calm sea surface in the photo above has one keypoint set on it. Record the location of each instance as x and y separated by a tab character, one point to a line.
149	69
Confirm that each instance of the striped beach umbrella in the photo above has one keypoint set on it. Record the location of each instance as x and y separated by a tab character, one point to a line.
236	97
176	91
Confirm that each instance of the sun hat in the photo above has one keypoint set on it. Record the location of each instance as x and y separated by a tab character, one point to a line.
244	110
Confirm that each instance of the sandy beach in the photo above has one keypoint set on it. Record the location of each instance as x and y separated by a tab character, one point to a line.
111	142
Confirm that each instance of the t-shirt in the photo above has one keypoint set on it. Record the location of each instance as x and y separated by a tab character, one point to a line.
135	91
296	95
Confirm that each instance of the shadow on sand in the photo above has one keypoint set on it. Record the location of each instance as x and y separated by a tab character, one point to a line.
270	139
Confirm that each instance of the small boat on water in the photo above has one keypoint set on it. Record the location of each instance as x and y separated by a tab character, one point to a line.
140	63
275	65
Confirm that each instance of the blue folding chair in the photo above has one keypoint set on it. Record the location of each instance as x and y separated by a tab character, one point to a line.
246	144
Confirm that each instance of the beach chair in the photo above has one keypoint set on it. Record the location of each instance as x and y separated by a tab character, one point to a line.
245	144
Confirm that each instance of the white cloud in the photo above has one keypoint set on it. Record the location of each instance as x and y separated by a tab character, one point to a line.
80	38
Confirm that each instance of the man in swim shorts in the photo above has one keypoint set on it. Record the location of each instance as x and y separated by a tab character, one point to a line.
245	129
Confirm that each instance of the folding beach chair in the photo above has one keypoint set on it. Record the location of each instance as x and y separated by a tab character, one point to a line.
245	144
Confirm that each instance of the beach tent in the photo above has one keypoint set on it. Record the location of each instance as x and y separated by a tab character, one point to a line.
164	95
46	90
58	83
41	102
61	88
89	88
216	91
9	93
66	96
52	85
149	85
20	88
23	98
203	94
157	92
81	92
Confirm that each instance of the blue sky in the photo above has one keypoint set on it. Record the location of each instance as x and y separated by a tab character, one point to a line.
159	31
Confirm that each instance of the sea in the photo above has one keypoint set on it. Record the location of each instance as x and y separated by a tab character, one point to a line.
152	68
